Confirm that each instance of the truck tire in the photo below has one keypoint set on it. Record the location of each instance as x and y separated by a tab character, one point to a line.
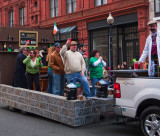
150	121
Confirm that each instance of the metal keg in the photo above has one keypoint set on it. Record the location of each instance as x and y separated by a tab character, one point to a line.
102	89
71	91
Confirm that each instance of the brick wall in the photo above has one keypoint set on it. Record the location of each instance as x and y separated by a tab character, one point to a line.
73	112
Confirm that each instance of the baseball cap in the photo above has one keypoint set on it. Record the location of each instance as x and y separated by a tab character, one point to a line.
81	45
57	44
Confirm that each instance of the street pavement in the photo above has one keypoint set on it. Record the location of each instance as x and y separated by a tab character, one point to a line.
20	124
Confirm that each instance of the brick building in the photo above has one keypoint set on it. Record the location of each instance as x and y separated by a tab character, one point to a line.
85	21
154	11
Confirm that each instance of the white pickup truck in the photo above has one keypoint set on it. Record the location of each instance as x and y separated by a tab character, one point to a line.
139	98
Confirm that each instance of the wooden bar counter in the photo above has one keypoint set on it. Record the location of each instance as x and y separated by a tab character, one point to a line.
43	79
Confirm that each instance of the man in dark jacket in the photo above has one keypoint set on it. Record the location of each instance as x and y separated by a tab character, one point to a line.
20	69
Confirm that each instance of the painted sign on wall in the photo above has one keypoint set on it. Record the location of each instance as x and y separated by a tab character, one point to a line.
30	36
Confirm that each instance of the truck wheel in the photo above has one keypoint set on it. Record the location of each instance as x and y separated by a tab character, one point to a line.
150	121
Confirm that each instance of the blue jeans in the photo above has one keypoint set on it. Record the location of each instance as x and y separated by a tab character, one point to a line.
50	81
59	84
82	80
152	69
93	82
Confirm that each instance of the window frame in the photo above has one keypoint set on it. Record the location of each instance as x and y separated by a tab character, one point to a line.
36	4
157	14
102	3
22	16
36	18
54	8
11	18
72	3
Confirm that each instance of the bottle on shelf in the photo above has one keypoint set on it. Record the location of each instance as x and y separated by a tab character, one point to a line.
9	48
5	47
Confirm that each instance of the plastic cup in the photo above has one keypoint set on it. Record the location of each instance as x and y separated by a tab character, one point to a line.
69	40
85	53
136	65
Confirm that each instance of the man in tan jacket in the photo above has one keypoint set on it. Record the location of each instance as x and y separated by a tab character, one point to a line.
74	66
56	63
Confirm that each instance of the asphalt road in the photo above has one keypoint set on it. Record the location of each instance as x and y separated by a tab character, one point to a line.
19	124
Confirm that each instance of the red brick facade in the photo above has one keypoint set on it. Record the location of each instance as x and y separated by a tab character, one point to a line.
85	12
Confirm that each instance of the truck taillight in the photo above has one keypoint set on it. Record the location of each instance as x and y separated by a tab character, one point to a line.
117	91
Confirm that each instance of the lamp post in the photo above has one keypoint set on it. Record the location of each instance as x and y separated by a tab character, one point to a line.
110	21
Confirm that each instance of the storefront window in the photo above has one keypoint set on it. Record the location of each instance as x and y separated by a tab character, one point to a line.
131	43
120	51
100	42
157	7
125	43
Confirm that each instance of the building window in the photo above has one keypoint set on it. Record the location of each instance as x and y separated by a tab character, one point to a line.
35	4
36	19
22	16
11	19
71	6
53	8
100	2
157	7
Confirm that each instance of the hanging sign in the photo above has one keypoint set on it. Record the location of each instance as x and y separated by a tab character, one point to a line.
30	36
